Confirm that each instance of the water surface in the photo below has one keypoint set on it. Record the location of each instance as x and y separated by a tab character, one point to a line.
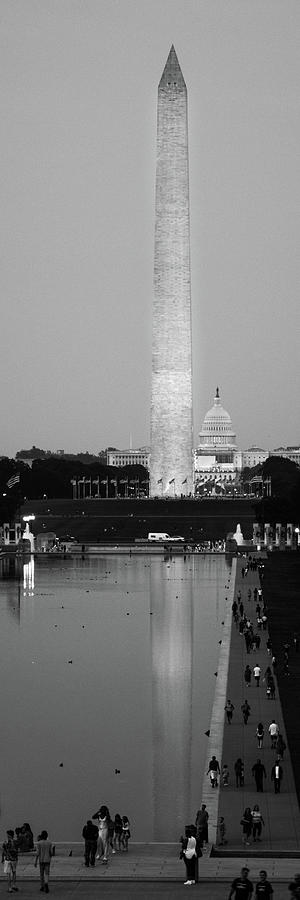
107	664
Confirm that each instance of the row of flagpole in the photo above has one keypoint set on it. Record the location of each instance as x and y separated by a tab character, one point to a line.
132	484
172	481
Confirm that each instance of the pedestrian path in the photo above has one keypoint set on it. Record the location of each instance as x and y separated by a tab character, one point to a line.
280	811
151	862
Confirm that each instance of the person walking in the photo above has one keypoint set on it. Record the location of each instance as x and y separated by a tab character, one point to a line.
273	732
221	831
90	836
257	822
267	675
247	676
277	775
103	818
10	860
248	635
117	832
213	771
280	746
239	772
246	823
259	772
190	857
269	646
43	857
246	710
229	711
201	824
294	887
111	830
225	775
263	890
125	833
260	735
242	886
272	687
257	673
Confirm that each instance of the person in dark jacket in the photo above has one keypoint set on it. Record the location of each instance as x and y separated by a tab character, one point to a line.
202	826
280	746
246	710
259	772
90	835
10	858
213	771
239	772
247	676
242	886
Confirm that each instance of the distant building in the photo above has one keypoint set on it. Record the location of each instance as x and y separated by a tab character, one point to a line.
139	457
217	462
254	456
292	453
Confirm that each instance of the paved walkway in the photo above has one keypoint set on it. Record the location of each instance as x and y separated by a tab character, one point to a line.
150	863
280	811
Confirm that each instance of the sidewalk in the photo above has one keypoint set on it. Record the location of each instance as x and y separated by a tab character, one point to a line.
281	833
150	863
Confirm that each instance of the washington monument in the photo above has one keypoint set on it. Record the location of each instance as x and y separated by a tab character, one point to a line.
171	390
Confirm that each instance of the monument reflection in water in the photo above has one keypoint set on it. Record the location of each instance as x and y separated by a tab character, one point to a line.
172	651
127	718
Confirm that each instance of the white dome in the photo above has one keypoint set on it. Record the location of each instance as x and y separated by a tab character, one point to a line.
217	431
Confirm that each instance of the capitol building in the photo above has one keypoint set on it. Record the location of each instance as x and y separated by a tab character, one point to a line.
217	461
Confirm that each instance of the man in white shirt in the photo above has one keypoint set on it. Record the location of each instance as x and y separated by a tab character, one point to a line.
257	674
273	732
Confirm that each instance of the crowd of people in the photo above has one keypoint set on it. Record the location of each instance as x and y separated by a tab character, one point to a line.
266	733
242	888
15	844
107	836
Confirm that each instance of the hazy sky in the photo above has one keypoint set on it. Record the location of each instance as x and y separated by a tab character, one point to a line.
78	89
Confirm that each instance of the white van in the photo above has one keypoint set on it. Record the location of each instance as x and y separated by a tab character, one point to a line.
161	537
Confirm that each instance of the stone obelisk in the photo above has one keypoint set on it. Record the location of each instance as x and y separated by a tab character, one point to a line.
171	471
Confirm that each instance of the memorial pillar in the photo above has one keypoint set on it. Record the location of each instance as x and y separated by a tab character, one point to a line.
256	534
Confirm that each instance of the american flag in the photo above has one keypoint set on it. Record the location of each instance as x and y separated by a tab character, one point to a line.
13	480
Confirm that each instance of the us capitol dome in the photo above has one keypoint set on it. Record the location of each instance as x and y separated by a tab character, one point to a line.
216	459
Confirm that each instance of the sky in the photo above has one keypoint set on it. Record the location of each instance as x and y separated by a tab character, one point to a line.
78	96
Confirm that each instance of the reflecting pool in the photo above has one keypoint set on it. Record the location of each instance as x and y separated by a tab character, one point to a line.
107	684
